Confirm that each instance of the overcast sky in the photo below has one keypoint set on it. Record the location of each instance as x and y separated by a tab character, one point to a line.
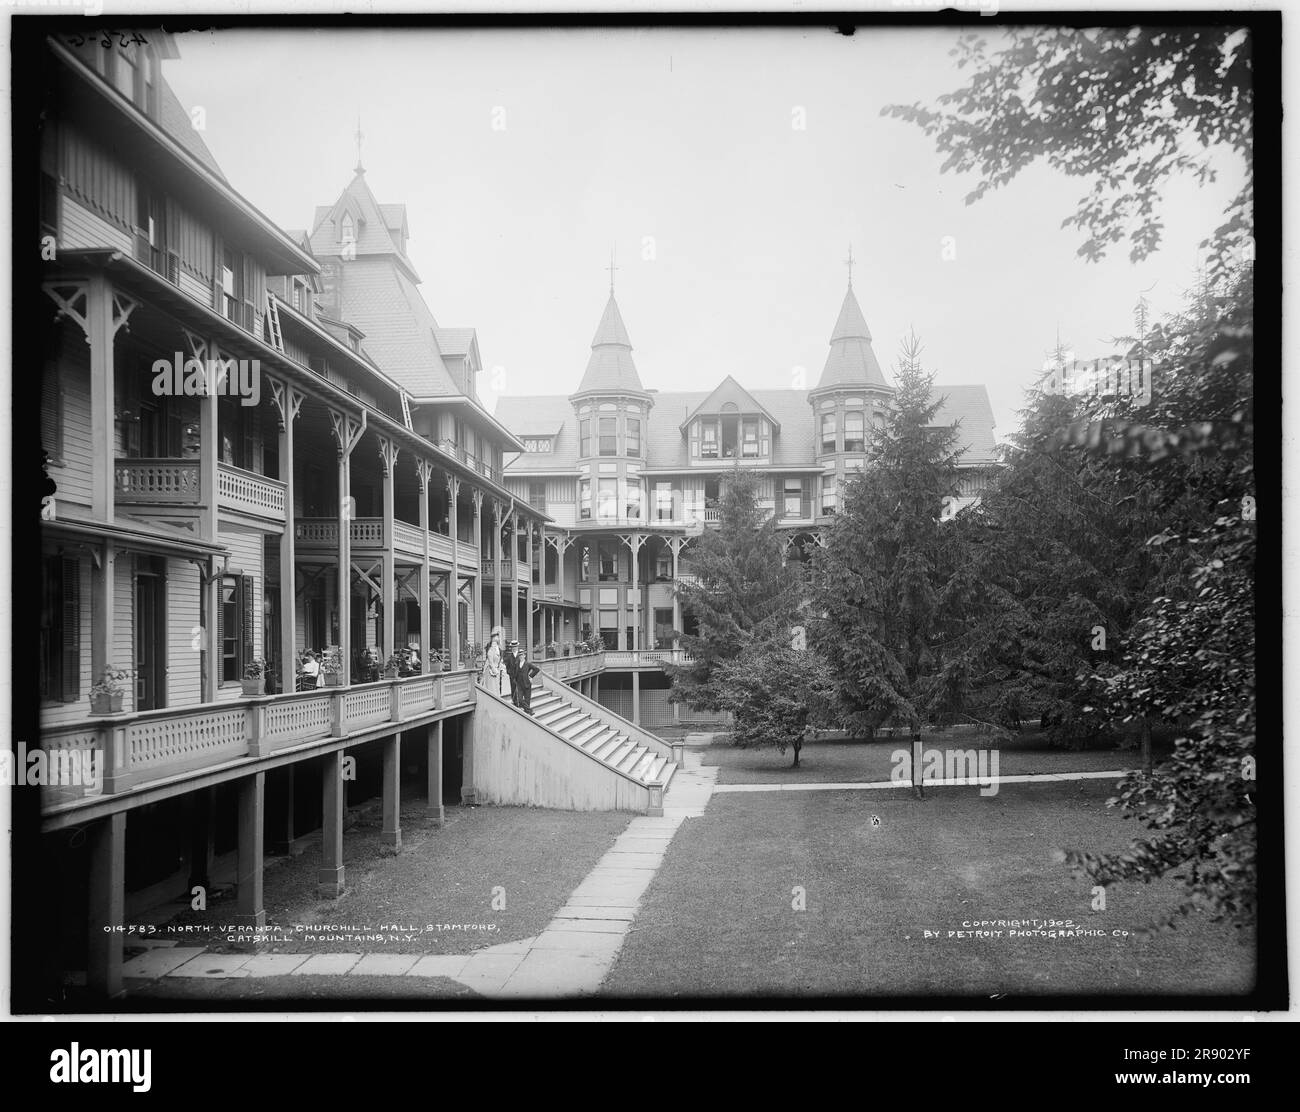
678	148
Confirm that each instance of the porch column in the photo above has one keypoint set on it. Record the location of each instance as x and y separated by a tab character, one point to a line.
347	431
636	697
496	563
329	878
423	472
528	592
391	832
102	623
676	544
252	821
287	402
476	588
283	843
514	576
452	624
100	333
388	464
434	744
468	795
107	905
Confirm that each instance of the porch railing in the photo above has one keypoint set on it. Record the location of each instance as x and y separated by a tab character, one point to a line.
634	657
173	481
571	667
238	489
131	749
516	569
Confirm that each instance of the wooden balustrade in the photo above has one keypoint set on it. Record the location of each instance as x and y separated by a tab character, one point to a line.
172	481
238	489
131	749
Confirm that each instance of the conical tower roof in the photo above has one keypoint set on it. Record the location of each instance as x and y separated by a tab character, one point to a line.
610	369
851	361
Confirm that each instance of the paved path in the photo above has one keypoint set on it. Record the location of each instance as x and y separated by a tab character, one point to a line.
955	782
571	957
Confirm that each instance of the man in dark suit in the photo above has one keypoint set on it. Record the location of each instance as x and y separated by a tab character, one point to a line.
510	658
526	670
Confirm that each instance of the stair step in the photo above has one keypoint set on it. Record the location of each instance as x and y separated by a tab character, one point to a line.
610	746
547	700
593	728
571	730
619	755
559	719
652	770
629	763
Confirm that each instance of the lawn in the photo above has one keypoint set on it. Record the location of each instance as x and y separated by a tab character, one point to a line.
880	869
441	878
857	761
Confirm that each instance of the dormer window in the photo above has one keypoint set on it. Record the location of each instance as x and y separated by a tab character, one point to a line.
749	438
347	229
539	444
708	439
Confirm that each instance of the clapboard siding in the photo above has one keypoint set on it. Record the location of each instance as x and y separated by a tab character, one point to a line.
80	228
184	661
199	290
74	477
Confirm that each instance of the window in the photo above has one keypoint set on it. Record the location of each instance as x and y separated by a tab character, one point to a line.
537	496
663	501
538	444
608	436
608	562
607	499
633	500
853	431
347	229
829	494
793	497
634	436
235	626
828	432
124	66
584	499
299	296
584	437
709	439
60	632
749	437
231	271
664	565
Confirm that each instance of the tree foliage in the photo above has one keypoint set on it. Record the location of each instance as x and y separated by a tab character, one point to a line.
738	588
776	694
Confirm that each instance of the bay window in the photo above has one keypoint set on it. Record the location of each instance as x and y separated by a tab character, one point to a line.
854	435
609	436
828	432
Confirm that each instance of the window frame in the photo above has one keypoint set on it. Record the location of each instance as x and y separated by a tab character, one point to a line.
833	443
859	442
610	449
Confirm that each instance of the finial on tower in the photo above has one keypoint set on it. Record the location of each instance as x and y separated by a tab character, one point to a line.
849	264
359	137
612	268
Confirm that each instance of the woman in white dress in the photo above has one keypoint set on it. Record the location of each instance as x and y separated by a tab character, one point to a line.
495	676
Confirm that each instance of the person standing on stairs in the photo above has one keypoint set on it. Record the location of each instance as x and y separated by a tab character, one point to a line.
510	659
495	677
525	671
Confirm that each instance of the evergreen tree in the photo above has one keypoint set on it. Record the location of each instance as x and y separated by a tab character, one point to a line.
895	580
741	592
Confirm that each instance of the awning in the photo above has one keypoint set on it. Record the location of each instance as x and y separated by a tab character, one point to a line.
136	537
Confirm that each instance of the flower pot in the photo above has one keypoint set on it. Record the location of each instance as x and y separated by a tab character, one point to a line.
333	679
254	687
107	704
391	673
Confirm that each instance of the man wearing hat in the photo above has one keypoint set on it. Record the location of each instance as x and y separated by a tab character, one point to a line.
510	658
526	670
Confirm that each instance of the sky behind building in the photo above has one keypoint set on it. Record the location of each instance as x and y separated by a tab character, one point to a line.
524	157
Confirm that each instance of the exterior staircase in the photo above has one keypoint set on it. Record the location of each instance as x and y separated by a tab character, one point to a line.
571	753
604	736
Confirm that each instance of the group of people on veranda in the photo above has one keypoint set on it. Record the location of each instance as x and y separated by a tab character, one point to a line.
507	672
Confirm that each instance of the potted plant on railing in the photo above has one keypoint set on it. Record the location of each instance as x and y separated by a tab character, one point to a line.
254	680
393	666
553	649
106	696
480	654
331	664
594	644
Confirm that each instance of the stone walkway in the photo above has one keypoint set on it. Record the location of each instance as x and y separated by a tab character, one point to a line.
571	957
955	782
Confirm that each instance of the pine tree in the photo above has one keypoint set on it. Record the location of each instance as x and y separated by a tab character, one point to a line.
741	592
894	581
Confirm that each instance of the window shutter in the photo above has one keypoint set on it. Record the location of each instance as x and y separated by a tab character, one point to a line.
52	414
71	617
221	620
247	584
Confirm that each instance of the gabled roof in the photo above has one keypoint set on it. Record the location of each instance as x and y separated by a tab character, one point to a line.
177	122
610	368
666	449
851	361
730	391
457	341
374	226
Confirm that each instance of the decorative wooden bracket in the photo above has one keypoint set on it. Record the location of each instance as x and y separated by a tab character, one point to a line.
423	473
286	399
73	300
347	431
388	452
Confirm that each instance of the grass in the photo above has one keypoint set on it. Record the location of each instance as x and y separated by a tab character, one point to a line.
440	877
859	761
718	920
